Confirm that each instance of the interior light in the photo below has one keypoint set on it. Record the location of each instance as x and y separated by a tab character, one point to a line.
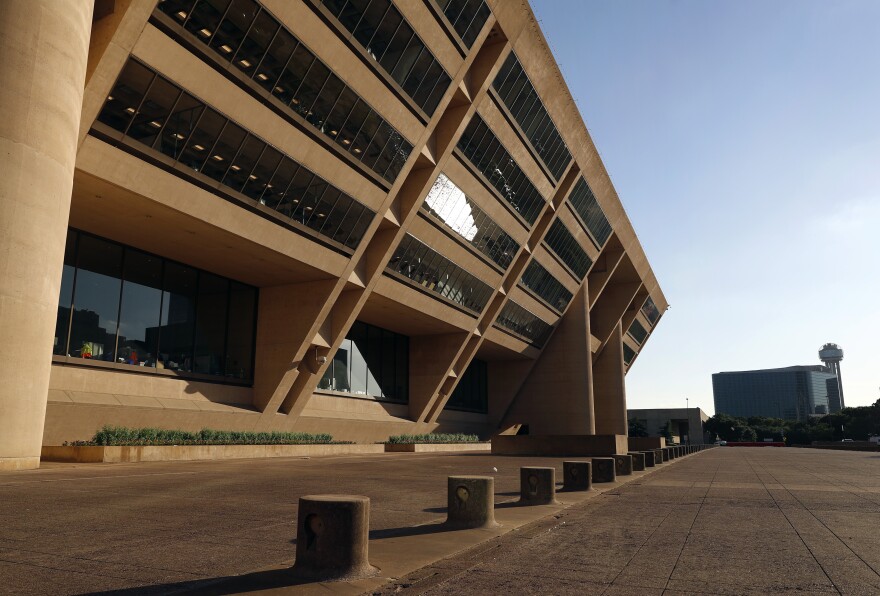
252	177
320	214
356	150
129	110
346	142
156	124
217	157
261	76
198	147
295	101
244	63
268	186
178	136
109	98
204	33
279	89
181	15
234	167
308	208
334	132
225	48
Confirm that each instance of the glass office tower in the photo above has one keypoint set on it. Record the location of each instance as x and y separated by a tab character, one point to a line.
794	392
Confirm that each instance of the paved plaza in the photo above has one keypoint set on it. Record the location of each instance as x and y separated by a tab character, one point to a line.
725	521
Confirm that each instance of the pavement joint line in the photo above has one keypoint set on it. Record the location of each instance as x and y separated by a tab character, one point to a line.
833	533
691	527
790	523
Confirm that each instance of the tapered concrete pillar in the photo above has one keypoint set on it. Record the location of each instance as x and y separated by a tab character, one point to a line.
609	387
44	44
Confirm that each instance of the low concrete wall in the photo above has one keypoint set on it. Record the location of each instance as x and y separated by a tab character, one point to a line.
197	452
844	445
435	447
646	443
559	445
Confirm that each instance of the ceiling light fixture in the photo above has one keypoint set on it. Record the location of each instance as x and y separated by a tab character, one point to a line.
217	157
262	77
204	33
244	63
225	48
181	14
198	147
235	167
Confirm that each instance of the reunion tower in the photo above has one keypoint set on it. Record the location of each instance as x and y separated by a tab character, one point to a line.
831	355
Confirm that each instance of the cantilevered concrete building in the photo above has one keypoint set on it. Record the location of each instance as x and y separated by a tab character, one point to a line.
361	217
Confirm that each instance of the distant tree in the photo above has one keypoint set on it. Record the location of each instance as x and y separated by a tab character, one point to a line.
666	431
748	434
637	428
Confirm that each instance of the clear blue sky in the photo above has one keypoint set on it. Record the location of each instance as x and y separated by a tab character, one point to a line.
743	137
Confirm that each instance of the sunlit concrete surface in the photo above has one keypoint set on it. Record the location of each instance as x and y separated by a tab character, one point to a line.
728	521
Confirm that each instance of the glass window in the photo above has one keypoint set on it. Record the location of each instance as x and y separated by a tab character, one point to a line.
125	98
234	27
96	299
141	306
224	151
240	170
153	112
274	61
358	336
472	391
587	207
65	296
204	19
637	332
256	43
524	323
211	315
198	149
177	323
179	126
565	245
548	288
650	310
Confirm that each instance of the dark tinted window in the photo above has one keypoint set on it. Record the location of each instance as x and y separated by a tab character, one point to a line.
467	17
483	149
566	247
650	310
638	332
472	391
210	143
524	323
587	207
548	288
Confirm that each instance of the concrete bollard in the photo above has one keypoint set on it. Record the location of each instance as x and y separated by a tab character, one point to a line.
665	451
670	451
603	469
658	456
537	486
470	502
577	475
649	458
332	538
623	465
638	461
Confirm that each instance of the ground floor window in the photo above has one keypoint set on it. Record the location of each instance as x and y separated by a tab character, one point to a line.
472	392
371	361
120	304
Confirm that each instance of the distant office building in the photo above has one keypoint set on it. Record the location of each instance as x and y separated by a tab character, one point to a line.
794	392
686	423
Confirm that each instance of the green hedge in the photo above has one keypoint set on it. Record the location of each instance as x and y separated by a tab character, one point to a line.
434	438
122	436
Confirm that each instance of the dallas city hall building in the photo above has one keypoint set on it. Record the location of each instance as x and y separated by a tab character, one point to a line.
359	217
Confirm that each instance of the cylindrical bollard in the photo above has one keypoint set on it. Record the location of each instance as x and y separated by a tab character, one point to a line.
537	486
603	469
623	465
638	461
577	475
470	502
332	538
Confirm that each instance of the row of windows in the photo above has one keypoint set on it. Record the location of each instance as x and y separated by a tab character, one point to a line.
433	271
519	95
650	310
547	287
524	323
449	203
472	391
485	151
585	204
150	109
246	35
370	361
387	37
638	332
466	16
567	248
628	354
119	304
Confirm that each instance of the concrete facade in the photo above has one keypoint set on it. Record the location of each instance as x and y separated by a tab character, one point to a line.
687	423
528	360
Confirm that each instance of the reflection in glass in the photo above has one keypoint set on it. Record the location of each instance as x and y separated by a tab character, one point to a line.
141	305
637	332
483	149
650	310
96	299
211	318
565	245
548	288
449	203
177	322
370	361
65	297
467	17
524	323
584	202
472	391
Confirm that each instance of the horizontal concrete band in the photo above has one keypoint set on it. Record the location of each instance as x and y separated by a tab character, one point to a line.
197	452
435	447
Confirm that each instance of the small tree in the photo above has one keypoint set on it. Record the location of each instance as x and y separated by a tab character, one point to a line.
637	428
666	431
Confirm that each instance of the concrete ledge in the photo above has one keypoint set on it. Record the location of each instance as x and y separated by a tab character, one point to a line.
197	452
559	445
19	463
435	447
646	443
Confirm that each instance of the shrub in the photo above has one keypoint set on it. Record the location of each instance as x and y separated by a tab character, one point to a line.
122	436
434	438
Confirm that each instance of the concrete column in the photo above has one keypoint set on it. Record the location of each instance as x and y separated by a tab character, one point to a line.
609	387
44	44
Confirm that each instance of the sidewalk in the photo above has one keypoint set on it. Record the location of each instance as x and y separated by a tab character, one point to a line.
729	521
